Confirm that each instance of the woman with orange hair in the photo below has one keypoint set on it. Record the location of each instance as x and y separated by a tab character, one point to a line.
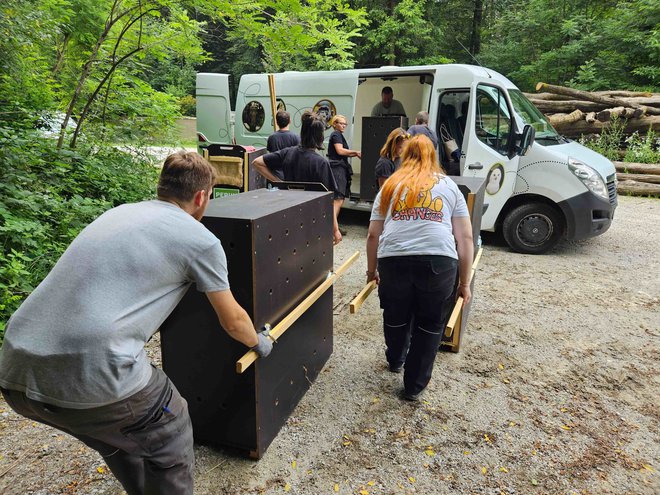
419	235
390	155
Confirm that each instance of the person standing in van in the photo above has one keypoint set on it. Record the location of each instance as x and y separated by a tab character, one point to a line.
338	154
419	235
283	137
388	105
302	163
390	155
422	127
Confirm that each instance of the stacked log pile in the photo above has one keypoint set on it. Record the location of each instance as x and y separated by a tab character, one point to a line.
574	113
638	179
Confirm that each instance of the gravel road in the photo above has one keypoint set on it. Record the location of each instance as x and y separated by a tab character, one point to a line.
554	391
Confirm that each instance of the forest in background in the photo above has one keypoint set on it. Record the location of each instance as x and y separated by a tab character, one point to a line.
117	74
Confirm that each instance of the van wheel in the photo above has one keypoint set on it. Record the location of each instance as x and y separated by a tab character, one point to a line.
533	228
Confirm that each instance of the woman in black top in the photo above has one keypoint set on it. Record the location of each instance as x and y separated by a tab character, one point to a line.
390	155
302	163
338	154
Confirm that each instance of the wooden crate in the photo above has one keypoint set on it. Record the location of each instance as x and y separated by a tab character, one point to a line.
279	248
233	167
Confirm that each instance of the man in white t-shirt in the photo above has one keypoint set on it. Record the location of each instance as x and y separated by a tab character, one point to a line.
73	355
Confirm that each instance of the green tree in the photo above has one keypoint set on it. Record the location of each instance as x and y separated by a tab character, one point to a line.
291	34
593	44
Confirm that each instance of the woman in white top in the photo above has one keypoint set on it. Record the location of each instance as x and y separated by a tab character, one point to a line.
419	235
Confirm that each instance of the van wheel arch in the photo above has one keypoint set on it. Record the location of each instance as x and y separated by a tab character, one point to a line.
532	224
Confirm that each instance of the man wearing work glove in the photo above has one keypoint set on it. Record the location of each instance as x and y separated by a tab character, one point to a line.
265	344
73	355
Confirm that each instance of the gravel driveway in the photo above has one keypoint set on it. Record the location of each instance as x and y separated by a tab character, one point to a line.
554	391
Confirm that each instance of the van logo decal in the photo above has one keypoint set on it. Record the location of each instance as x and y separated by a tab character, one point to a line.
495	179
253	116
326	110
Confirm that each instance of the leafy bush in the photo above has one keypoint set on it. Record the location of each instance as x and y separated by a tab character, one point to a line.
47	197
643	149
188	106
609	142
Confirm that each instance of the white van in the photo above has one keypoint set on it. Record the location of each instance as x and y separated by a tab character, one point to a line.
557	188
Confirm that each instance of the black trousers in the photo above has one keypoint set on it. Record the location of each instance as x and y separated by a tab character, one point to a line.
415	295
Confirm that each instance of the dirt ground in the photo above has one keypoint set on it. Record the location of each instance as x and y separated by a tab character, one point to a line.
554	391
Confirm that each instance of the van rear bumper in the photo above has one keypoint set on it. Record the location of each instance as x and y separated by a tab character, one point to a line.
587	215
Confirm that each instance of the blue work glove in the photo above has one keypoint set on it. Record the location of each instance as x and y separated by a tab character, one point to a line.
265	344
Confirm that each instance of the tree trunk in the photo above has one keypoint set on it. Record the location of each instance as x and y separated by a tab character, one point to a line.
563	119
87	68
590	117
115	63
566	106
475	38
635	188
59	60
648	99
648	178
576	129
624	94
585	95
637	168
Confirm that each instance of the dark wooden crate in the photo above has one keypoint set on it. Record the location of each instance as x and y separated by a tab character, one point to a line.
473	190
374	134
279	249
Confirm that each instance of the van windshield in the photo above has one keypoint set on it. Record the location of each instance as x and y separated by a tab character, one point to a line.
533	116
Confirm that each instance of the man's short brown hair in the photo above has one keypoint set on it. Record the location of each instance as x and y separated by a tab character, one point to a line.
184	174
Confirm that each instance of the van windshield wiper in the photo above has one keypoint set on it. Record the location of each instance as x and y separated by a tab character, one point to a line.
557	138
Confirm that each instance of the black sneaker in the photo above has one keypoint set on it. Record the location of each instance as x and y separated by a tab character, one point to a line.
411	397
395	369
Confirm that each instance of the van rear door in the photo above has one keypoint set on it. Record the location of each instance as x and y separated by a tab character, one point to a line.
488	144
327	93
213	107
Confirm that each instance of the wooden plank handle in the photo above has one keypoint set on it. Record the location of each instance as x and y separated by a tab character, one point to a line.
453	319
458	307
273	98
251	356
361	297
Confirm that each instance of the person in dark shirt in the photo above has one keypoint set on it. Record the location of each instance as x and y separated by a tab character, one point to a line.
338	154
302	163
283	137
422	127
390	155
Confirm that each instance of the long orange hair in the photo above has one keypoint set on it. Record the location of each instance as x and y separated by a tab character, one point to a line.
389	148
419	165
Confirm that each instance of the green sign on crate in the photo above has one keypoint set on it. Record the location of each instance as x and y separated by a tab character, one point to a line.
219	192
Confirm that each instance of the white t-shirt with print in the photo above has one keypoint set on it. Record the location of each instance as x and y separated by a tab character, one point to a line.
425	228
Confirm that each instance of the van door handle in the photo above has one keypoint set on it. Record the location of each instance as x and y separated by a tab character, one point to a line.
475	166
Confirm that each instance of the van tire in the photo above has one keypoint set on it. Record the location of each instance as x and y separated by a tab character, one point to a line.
533	228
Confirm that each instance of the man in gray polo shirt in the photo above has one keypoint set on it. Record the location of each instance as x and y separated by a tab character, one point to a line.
73	355
388	105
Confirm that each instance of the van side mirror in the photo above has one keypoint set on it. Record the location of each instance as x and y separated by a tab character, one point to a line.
526	139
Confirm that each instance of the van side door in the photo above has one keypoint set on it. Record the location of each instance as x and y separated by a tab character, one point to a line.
213	107
488	147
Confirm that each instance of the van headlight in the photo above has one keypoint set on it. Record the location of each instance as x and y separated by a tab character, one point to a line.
589	177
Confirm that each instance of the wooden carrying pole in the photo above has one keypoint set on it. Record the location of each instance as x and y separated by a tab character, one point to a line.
456	313
273	98
362	296
251	356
